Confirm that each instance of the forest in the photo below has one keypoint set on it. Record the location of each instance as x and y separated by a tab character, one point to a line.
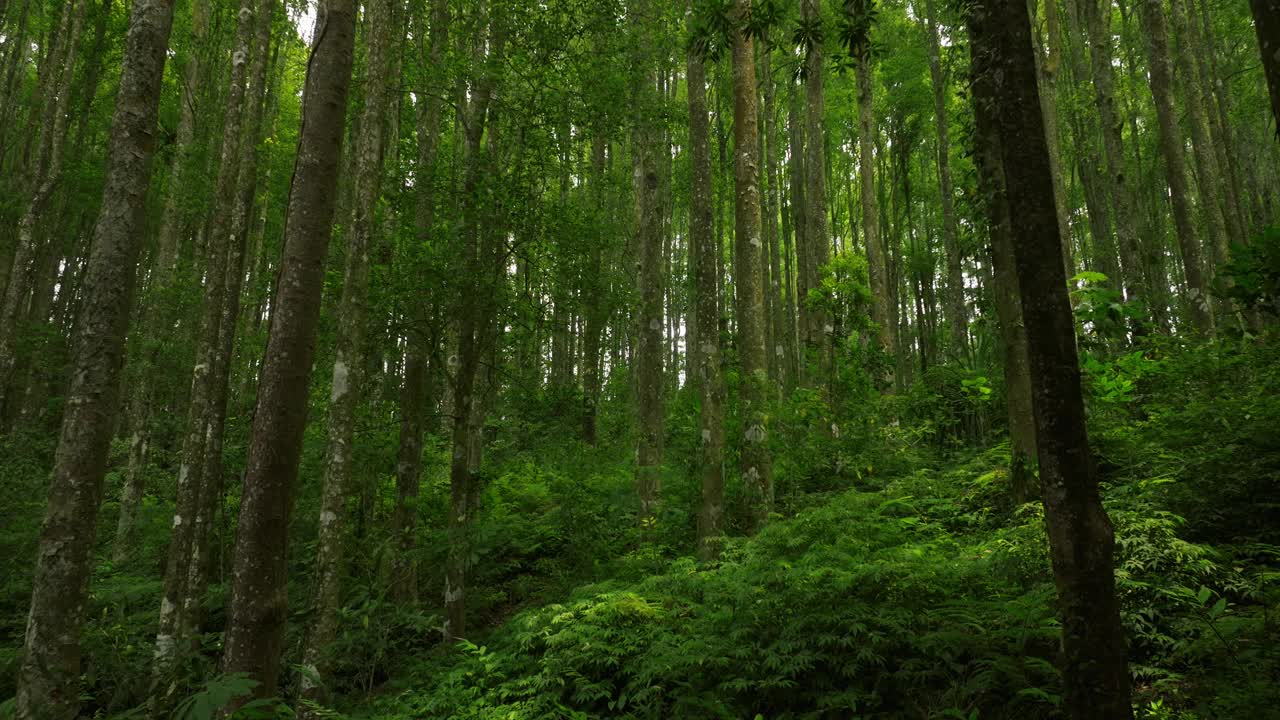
641	359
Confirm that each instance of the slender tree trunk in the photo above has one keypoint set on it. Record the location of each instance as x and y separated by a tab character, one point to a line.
173	634
1013	333
1047	66
957	314
800	243
781	347
413	405
1080	534
710	382
648	361
596	312
258	610
877	268
349	361
475	318
1161	77
757	470
817	323
50	672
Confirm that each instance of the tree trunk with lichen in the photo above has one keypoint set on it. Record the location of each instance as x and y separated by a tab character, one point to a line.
1004	282
349	361
1081	539
259	604
174	631
50	672
757	470
649	314
710	382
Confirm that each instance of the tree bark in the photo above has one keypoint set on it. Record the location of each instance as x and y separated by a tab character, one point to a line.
349	361
1013	332
258	610
757	471
710	382
50	672
649	316
817	322
174	630
877	268
1081	539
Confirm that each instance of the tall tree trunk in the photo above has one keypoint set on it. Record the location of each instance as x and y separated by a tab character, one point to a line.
475	318
1013	332
1161	78
877	267
817	322
258	610
710	383
1081	539
173	634
781	347
417	374
757	470
957	315
1102	254
649	315
200	568
349	362
50	672
596	312
800	243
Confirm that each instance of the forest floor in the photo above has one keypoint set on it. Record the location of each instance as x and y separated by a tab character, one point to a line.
923	591
898	579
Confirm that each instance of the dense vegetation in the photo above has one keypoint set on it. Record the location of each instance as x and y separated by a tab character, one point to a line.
639	359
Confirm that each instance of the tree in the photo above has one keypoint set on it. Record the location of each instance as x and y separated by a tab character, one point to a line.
50	674
255	622
757	471
202	410
706	347
859	14
1081	538
649	316
817	323
349	361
